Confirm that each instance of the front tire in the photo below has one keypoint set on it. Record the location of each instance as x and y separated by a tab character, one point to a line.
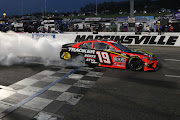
135	63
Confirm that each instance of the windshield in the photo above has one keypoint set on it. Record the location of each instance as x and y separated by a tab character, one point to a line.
121	47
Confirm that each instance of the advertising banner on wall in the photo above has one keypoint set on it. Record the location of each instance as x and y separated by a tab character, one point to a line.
153	40
134	39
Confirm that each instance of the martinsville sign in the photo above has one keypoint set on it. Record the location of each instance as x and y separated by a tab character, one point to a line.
130	39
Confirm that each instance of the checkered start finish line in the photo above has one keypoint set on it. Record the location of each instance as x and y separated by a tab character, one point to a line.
49	94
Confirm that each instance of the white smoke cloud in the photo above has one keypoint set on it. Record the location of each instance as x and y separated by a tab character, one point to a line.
9	60
17	48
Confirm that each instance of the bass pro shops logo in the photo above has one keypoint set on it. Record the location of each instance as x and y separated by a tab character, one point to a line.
152	40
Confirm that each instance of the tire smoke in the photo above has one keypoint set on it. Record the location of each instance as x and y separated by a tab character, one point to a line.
18	48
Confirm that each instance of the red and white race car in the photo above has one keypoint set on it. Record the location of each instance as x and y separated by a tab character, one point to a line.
111	54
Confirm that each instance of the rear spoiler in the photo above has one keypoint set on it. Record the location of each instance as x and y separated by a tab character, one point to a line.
68	45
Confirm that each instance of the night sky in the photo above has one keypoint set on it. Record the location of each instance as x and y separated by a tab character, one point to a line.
18	7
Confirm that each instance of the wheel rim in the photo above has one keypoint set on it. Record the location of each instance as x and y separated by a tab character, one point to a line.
136	64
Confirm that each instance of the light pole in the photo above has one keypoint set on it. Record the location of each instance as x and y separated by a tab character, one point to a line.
45	8
96	8
131	8
21	8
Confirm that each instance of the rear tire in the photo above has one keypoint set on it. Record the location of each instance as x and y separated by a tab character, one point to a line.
79	60
135	63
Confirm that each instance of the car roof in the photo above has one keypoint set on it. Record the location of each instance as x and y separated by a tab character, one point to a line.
104	40
101	41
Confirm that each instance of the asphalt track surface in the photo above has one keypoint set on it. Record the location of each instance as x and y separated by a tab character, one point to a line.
122	94
12	74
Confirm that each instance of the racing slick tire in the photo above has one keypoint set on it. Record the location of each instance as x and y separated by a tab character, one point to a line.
79	60
135	63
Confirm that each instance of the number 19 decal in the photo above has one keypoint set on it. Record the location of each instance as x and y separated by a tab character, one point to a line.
103	57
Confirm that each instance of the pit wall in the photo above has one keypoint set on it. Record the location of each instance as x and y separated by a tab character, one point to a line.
127	38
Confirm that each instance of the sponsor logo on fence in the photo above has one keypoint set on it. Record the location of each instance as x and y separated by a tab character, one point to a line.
37	36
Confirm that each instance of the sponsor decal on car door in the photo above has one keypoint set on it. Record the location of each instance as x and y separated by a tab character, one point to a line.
104	57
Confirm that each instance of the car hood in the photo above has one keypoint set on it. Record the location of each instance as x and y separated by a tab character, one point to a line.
142	52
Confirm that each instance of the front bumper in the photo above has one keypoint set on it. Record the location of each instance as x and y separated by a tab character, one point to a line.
151	66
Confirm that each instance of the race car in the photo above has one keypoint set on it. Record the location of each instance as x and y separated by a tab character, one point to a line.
107	53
